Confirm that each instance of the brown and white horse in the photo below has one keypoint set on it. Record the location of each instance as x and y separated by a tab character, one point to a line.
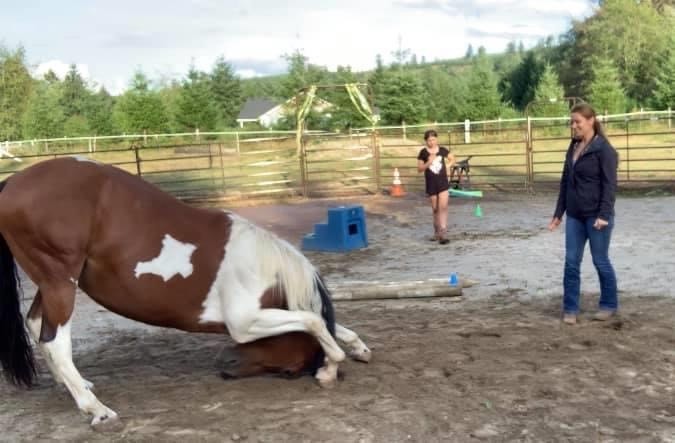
143	254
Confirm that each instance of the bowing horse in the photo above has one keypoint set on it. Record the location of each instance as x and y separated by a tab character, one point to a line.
73	223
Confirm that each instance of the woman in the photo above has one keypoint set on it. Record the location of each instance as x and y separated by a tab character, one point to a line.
431	161
587	194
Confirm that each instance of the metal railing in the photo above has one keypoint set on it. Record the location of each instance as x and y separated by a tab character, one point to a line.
521	153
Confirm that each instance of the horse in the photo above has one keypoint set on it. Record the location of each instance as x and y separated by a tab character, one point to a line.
72	223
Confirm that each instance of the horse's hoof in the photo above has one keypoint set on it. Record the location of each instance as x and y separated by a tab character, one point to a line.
108	422
327	379
363	355
327	384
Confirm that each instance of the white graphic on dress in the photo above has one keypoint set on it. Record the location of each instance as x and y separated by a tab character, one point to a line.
436	165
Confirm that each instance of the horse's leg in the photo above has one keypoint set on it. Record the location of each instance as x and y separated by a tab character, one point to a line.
34	323
58	301
357	349
246	327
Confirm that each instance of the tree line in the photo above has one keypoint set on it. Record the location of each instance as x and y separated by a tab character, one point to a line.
620	58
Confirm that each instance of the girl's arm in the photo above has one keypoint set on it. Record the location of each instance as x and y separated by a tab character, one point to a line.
421	165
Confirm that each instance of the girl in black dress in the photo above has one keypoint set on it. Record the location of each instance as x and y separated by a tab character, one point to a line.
431	161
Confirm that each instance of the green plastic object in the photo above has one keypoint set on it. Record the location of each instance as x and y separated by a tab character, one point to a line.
478	212
465	193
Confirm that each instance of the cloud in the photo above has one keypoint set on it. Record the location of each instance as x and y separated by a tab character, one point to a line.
60	68
110	44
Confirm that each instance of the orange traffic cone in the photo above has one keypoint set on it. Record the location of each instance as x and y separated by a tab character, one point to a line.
396	189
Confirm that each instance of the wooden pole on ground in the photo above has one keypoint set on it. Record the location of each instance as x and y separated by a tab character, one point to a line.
374	290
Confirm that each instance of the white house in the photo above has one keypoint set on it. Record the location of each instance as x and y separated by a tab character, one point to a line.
267	112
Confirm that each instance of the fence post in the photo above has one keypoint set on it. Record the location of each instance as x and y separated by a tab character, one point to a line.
197	134
138	160
222	166
529	180
642	110
94	143
467	131
236	135
303	167
405	135
376	161
670	118
627	149
145	137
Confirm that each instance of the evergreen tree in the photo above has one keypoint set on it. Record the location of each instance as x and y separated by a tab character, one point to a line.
605	91
402	98
74	95
196	106
140	109
469	52
483	100
16	85
44	116
548	95
523	81
664	91
98	111
227	92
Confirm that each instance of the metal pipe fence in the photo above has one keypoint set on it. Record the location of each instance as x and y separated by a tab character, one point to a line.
515	153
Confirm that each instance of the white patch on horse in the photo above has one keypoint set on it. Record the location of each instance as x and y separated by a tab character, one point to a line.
255	260
60	352
81	158
174	258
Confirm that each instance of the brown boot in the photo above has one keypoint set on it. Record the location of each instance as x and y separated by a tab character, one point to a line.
442	239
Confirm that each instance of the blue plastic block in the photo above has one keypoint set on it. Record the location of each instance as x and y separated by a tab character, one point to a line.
344	231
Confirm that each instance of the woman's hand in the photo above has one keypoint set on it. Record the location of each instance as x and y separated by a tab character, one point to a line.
555	222
600	224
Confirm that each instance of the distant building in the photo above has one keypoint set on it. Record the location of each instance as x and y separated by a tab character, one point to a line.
267	112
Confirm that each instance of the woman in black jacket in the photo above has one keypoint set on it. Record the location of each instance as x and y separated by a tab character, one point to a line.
587	194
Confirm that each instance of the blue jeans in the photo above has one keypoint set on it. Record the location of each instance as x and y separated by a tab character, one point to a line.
576	233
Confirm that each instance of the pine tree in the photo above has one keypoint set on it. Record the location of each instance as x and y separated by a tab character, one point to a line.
663	96
403	98
74	94
140	109
44	116
16	85
483	100
548	94
196	106
227	92
606	93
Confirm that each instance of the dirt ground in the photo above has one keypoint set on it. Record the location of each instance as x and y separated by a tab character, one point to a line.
494	365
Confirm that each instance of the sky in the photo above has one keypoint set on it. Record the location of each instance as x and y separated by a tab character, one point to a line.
109	40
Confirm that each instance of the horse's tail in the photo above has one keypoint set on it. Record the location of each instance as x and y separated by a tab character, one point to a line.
328	314
16	353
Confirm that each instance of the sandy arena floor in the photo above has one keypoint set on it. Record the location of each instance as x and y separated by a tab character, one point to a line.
496	365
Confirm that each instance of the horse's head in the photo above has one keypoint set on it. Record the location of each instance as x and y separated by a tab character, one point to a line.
289	355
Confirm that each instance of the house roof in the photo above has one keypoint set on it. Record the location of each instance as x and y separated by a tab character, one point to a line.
255	107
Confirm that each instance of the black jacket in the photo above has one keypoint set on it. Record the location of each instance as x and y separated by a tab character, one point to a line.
588	187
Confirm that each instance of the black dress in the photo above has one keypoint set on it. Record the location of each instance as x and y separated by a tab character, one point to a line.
436	175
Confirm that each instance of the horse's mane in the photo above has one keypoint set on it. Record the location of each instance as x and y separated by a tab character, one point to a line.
281	262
